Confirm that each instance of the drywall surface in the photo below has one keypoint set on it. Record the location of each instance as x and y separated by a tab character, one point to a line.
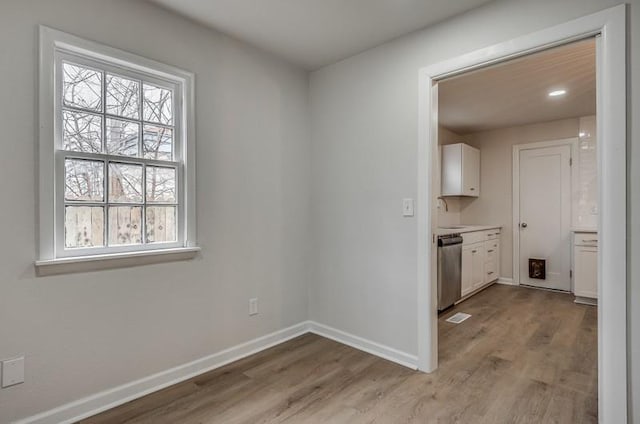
83	333
449	207
495	205
364	157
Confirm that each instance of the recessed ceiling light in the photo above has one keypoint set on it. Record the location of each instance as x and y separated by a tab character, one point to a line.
556	93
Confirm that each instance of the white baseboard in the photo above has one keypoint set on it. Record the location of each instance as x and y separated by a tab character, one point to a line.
506	281
94	404
99	402
377	349
586	301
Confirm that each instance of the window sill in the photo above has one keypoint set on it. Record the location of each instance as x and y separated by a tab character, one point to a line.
113	260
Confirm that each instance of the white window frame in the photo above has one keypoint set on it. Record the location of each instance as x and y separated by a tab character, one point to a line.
56	47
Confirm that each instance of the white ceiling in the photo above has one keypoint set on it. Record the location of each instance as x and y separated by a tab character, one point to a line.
315	33
516	92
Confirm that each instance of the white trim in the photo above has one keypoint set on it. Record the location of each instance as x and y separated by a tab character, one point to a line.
113	260
612	220
99	402
515	194
377	349
580	300
506	281
612	260
109	54
54	45
111	398
427	201
108	256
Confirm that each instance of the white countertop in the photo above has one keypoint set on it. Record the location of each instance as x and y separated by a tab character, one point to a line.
465	229
584	230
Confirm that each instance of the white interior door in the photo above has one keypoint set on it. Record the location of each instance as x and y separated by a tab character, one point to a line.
545	214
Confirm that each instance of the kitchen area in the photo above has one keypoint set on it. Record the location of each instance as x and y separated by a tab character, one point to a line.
516	177
515	218
468	255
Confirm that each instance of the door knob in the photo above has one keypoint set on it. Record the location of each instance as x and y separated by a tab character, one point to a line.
523	225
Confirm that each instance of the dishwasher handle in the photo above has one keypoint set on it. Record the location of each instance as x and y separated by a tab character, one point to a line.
449	241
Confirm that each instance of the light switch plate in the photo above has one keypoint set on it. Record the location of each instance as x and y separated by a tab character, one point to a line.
253	306
12	371
407	207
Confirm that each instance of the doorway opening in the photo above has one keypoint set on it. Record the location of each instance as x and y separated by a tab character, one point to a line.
608	28
507	178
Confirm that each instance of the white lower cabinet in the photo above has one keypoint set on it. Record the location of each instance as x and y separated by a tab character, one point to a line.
477	265
492	262
585	265
480	259
467	265
473	267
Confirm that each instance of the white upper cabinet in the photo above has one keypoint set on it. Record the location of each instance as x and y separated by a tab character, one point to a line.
460	170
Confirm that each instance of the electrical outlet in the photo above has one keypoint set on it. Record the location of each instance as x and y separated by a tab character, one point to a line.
12	371
253	306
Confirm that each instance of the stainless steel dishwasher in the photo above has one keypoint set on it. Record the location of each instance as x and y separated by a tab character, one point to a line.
449	270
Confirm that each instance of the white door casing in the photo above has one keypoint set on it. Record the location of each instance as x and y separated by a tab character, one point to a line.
610	26
545	214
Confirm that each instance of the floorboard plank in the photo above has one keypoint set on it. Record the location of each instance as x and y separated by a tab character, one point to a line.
524	356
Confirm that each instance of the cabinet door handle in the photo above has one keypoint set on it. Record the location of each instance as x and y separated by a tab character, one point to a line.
489	251
472	189
489	273
590	241
474	251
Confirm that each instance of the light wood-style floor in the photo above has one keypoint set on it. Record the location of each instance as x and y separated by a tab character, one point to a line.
525	356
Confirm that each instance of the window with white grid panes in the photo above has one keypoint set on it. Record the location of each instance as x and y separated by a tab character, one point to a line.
118	159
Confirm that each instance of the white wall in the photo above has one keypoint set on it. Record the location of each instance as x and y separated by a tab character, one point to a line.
495	204
364	146
585	197
449	207
83	333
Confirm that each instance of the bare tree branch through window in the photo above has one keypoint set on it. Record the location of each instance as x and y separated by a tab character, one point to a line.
110	116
